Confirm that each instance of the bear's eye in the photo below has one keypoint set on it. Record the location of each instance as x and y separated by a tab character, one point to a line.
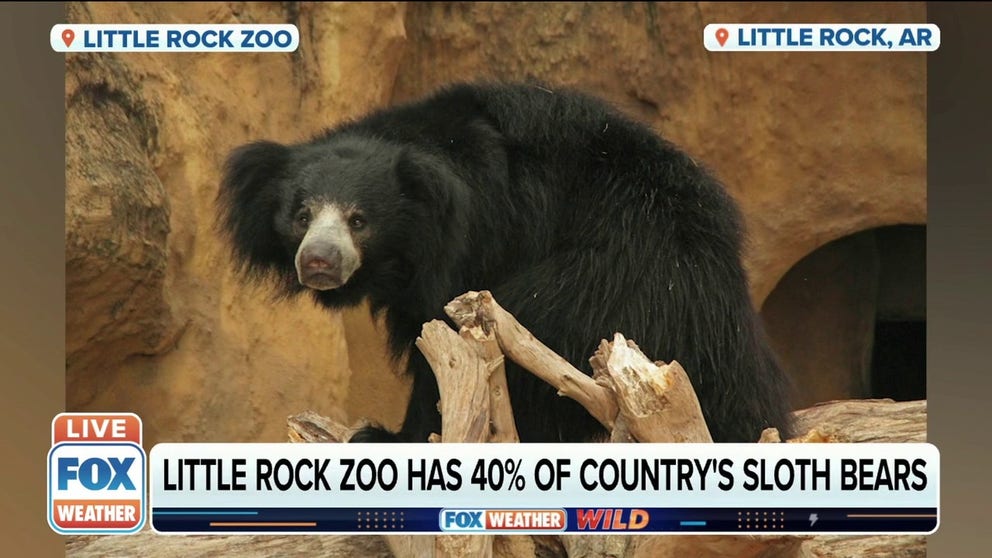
303	217
357	222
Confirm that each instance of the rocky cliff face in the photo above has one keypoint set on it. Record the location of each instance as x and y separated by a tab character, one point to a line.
814	147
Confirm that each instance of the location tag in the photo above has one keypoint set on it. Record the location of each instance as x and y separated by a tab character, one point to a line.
722	35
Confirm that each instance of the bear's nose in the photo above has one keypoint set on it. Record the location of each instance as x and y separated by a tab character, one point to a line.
321	259
317	263
321	267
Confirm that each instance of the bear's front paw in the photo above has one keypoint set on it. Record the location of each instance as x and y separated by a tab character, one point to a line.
373	435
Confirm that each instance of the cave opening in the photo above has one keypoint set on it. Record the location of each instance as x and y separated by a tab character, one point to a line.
848	321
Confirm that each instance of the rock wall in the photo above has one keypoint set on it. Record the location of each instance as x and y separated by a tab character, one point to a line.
814	146
158	322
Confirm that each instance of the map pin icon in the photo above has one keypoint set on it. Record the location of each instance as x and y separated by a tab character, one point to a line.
67	36
722	35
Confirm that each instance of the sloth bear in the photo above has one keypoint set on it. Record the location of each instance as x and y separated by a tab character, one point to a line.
581	221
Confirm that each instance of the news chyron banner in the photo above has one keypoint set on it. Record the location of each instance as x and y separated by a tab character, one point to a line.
96	474
174	37
821	37
544	488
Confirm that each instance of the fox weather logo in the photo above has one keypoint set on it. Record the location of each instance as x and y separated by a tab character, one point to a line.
96	474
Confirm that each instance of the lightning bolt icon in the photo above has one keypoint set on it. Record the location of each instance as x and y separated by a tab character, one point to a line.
812	519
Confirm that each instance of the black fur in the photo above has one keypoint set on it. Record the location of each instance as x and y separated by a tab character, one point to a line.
581	222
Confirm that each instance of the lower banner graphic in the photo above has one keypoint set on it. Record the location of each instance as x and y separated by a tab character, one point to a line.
541	488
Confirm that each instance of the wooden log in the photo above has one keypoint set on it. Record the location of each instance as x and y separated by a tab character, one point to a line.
475	407
310	427
656	404
866	420
147	543
462	380
503	429
462	375
715	546
657	401
875	546
520	346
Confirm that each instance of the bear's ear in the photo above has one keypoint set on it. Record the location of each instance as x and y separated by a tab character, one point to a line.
431	179
249	200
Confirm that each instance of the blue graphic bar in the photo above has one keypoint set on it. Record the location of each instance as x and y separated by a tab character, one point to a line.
215	513
576	520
